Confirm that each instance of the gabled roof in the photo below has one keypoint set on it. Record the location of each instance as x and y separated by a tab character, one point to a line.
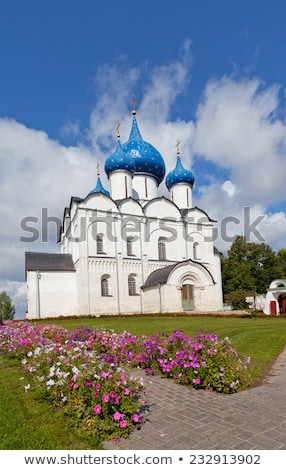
48	262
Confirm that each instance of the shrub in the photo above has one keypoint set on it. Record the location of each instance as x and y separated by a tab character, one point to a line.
237	299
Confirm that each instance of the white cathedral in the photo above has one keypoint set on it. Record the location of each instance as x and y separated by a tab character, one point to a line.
129	250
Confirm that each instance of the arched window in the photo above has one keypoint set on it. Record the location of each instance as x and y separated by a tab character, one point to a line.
104	287
161	249
129	246
131	285
195	250
99	244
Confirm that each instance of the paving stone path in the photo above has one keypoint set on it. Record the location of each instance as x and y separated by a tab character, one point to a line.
182	418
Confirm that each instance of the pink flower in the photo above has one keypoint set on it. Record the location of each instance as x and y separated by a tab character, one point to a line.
135	418
112	394
87	383
117	416
75	385
116	400
196	381
126	391
123	424
97	409
105	398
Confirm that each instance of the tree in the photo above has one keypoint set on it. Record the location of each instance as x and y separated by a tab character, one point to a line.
281	263
7	308
249	266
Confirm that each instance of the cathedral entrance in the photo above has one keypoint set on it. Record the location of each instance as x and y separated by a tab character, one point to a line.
188	302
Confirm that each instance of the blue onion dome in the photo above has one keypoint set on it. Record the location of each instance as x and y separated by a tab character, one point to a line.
147	159
179	174
119	160
99	188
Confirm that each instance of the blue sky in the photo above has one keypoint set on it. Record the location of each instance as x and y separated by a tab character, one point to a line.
210	73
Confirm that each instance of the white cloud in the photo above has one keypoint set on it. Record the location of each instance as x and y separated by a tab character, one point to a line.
229	188
237	129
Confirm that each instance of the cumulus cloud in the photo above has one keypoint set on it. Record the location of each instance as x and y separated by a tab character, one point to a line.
237	129
36	173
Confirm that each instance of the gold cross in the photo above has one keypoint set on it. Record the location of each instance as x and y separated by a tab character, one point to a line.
177	146
98	172
133	104
118	129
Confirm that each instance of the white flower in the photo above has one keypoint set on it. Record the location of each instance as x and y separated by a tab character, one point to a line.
75	370
26	387
52	371
37	351
50	382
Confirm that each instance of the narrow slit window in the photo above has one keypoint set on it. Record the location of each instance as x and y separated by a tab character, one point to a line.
99	244
161	249
129	246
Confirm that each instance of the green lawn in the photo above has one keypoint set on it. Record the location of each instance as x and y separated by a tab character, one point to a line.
27	424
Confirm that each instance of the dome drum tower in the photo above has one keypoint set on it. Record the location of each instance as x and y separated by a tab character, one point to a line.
180	183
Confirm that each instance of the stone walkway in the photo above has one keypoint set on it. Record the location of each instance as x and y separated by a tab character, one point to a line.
182	418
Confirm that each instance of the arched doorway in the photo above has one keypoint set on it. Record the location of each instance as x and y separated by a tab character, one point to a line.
188	302
282	303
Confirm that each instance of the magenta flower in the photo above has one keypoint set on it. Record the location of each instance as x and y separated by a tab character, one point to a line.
196	381
135	418
97	409
105	398
126	391
123	424
117	416
104	374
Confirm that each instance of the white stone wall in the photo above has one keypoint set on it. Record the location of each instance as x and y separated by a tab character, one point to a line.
181	195
144	187
52	295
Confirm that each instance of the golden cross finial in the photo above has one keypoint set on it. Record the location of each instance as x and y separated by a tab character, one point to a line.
118	130
133	103
178	146
98	172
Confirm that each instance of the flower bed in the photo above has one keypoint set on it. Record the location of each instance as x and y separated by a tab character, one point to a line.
87	373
